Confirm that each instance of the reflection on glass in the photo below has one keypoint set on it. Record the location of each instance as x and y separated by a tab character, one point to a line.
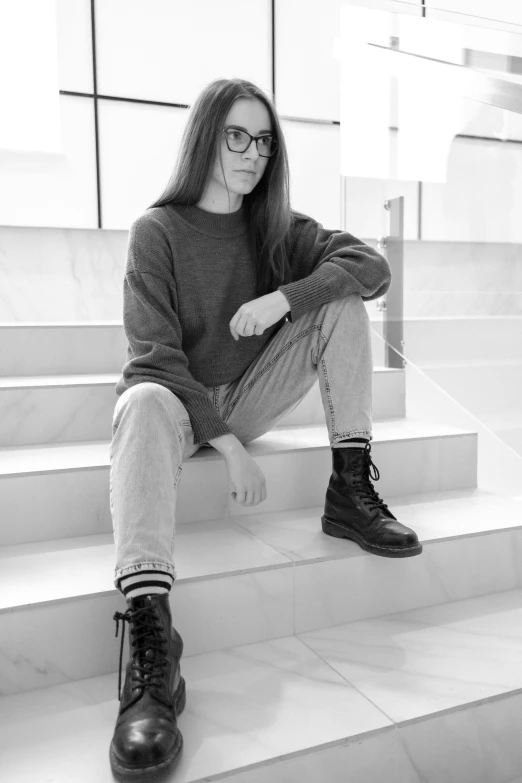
416	70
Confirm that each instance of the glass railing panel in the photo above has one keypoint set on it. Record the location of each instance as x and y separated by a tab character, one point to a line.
444	312
499	466
440	99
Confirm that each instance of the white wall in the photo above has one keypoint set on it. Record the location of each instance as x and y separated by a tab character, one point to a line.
168	50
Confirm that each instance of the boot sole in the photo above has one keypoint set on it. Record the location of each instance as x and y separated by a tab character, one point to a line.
124	773
338	531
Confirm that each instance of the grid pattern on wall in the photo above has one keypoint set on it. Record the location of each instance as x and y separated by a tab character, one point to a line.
291	81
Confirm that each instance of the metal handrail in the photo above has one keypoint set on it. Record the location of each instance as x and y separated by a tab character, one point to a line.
476	85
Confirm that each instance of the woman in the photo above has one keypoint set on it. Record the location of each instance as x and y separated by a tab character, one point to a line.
234	305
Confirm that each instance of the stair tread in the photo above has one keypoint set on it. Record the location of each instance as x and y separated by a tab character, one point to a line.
69	568
88	454
374	319
93	379
468	364
259	703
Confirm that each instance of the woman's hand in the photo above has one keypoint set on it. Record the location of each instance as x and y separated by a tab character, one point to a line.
257	315
246	479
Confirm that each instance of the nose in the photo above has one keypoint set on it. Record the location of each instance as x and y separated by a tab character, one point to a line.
249	149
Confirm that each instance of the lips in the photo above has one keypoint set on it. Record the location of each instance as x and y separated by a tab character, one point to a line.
244	171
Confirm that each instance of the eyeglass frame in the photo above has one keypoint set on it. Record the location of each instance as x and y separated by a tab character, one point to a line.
252	138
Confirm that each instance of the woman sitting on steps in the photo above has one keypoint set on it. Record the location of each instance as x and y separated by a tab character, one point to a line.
234	306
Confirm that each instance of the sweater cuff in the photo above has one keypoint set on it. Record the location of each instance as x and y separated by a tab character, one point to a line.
306	294
205	421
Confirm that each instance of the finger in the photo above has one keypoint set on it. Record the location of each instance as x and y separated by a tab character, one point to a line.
233	324
244	328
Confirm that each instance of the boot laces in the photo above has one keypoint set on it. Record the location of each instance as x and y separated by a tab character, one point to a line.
362	472
145	637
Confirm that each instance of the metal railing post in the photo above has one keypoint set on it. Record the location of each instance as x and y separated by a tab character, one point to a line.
393	301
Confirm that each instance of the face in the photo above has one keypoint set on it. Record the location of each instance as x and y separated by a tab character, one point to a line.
253	116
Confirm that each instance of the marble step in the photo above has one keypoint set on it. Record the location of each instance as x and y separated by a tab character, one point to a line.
462	340
465	301
66	408
486	388
512	436
249	579
61	490
461	265
89	348
83	347
431	694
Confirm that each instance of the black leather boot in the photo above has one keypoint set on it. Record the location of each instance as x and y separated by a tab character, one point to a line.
354	510
146	739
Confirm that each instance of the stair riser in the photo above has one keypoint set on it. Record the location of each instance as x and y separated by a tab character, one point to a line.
47	644
369	759
494	392
456	266
425	302
445	334
463	340
91	349
80	350
512	437
74	413
434	749
77	502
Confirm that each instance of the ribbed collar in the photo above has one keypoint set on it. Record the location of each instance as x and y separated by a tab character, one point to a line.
215	224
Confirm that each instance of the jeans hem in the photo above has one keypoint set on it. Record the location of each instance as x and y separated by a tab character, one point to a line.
352	434
137	568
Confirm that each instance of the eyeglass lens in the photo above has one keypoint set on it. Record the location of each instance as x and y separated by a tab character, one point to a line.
238	141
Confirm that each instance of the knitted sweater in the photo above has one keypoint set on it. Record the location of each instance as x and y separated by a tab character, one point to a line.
189	271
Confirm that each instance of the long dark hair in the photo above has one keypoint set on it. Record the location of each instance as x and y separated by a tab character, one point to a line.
267	207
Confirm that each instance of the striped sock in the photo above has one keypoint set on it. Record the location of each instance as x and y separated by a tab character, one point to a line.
351	443
147	582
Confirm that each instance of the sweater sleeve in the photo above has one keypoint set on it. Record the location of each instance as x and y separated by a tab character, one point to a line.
153	330
331	265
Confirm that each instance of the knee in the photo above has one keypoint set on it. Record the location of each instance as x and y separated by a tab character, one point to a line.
149	396
353	306
146	392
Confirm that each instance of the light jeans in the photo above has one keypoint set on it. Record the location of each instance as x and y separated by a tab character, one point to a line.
152	434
